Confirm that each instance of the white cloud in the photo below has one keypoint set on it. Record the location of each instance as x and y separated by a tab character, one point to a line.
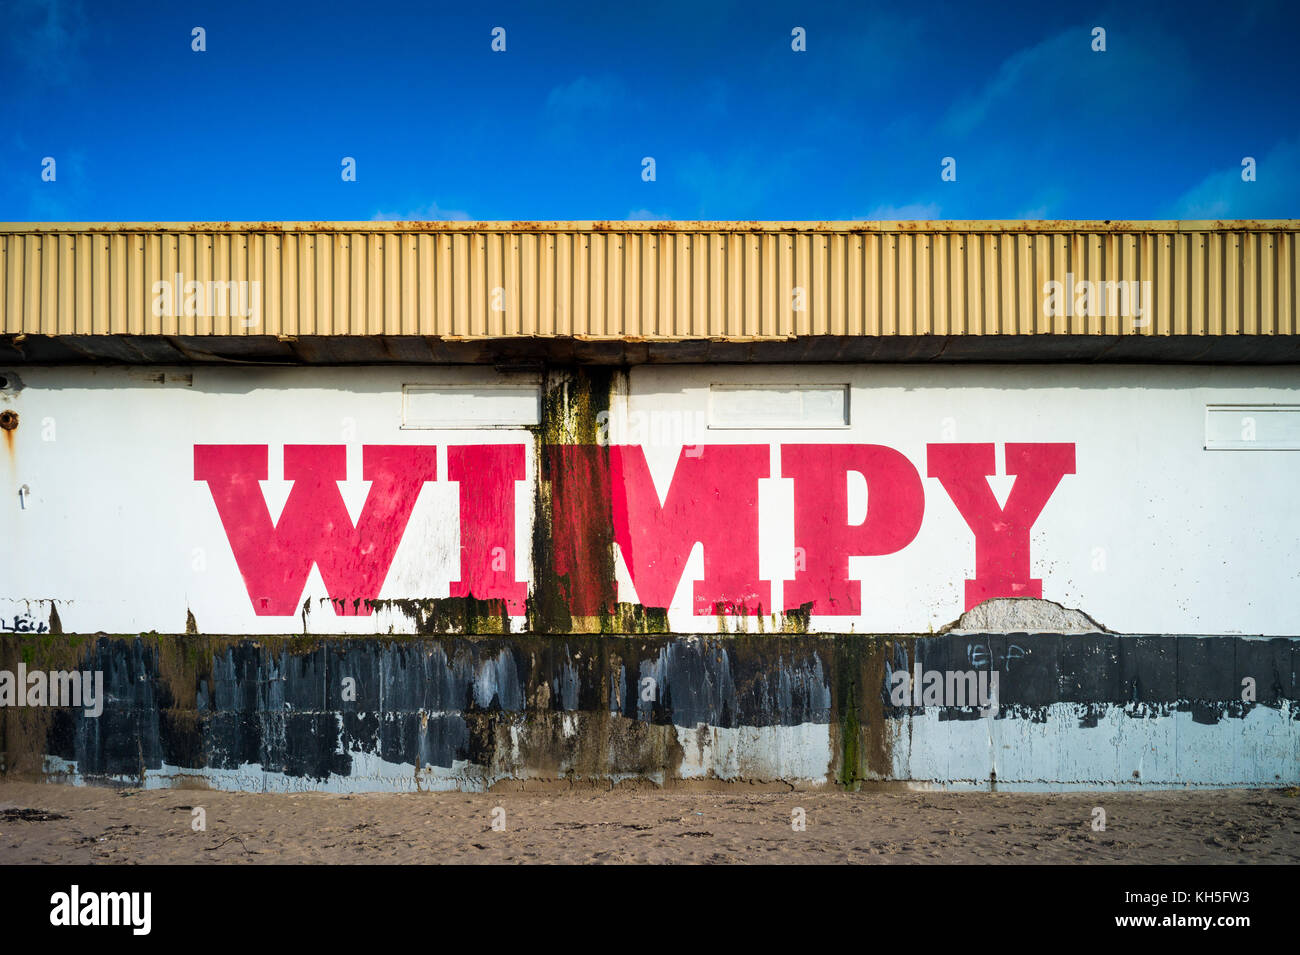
428	213
1275	193
1061	83
47	37
584	95
645	215
912	210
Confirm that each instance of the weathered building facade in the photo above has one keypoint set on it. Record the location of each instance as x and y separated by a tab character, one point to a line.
432	505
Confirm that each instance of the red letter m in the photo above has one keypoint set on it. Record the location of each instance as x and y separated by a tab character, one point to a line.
314	528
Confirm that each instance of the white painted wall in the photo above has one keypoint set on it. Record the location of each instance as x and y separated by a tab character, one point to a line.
1152	534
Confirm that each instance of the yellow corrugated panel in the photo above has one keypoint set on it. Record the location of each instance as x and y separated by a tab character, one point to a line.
653	280
1284	280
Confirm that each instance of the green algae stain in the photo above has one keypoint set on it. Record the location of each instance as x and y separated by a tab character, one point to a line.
573	529
861	733
797	621
630	618
443	615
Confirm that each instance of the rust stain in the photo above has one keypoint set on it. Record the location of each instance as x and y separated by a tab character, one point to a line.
630	226
8	424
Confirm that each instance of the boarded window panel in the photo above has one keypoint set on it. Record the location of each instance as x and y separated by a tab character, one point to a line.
470	406
778	406
1252	427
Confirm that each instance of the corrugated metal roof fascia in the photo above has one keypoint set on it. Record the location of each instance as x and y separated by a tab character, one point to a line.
749	284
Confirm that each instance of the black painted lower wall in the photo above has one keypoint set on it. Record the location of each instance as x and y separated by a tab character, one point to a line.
470	712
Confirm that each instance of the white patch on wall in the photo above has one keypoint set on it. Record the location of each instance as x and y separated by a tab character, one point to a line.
778	406
801	753
1252	427
513	405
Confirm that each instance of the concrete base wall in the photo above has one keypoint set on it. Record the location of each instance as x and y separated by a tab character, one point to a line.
1071	711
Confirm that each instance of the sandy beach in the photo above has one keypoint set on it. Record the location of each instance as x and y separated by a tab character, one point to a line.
49	823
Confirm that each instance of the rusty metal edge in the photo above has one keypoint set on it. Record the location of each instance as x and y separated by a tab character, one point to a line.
1045	226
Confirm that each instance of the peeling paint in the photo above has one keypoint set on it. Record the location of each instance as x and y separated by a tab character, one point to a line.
300	712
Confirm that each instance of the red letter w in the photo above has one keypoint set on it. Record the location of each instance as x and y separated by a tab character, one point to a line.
314	528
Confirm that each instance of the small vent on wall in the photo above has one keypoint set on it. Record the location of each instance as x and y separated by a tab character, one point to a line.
1252	427
471	406
779	406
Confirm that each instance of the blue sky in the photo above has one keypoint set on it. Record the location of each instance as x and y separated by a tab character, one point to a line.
740	126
